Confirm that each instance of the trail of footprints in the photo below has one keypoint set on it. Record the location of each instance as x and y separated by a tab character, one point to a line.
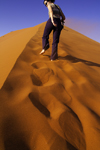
43	70
55	79
52	76
43	73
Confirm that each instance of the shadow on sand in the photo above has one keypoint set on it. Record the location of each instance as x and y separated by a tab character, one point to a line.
75	60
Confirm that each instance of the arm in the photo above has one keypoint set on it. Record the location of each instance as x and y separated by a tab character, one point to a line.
51	15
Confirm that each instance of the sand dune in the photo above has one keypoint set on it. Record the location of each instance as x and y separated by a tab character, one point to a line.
11	46
52	105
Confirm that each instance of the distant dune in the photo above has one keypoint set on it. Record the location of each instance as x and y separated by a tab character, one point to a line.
49	105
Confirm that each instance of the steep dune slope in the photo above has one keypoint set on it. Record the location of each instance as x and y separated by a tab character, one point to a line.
11	46
53	105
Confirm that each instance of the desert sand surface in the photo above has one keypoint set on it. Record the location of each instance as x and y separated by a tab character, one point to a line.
11	46
51	105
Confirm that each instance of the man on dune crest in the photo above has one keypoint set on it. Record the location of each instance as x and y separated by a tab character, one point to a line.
55	21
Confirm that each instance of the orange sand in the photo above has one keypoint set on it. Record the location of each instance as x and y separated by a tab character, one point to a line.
11	46
49	105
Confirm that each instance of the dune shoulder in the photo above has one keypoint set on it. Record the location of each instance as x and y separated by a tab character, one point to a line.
11	46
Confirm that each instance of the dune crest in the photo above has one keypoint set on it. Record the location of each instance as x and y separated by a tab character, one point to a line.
53	105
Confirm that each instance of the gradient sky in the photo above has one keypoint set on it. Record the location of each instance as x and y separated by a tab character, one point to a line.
81	15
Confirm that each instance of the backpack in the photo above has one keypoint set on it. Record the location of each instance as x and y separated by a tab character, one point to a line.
62	22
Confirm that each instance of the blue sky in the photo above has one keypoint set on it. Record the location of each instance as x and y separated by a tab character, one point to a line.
81	15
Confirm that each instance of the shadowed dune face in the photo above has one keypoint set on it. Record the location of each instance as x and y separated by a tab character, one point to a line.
53	105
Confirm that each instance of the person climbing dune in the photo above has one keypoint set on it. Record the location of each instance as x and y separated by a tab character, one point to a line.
55	23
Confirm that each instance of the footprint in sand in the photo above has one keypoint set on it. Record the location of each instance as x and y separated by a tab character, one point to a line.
38	65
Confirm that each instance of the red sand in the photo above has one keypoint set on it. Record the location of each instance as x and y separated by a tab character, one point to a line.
50	105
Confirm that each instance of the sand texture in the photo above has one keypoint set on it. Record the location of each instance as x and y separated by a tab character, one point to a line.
51	105
11	46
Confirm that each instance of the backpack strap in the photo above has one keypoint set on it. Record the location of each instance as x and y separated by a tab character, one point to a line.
57	7
62	22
